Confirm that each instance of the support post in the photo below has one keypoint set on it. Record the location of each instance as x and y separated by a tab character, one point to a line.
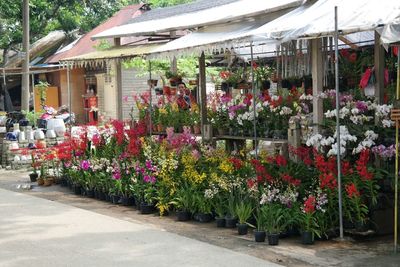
25	65
203	93
338	126
69	95
118	80
254	102
317	81
379	66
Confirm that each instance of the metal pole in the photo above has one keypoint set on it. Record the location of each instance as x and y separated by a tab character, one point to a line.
338	124
254	101
396	176
25	65
69	97
150	101
33	90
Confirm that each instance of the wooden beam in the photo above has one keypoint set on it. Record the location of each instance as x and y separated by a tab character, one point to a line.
317	79
203	93
118	74
348	42
379	66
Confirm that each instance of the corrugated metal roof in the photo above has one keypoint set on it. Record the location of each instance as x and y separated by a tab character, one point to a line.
86	45
101	57
179	9
229	12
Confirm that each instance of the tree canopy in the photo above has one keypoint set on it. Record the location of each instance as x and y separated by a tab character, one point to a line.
67	15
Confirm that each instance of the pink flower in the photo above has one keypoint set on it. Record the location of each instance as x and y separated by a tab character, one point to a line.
85	165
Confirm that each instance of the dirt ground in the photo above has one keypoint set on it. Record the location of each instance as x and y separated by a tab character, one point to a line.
372	251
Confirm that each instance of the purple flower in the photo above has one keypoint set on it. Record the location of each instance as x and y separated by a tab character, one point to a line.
116	175
362	106
85	165
148	164
149	179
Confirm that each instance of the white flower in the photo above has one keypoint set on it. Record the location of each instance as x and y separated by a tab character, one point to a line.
370	135
344	111
330	113
334	151
314	140
387	123
355	111
327	141
285	111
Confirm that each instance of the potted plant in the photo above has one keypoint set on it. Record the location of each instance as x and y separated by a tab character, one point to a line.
230	217
183	203
204	207
276	218
34	175
308	221
259	232
219	205
244	210
359	209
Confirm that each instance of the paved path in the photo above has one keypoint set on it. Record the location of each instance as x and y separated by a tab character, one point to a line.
39	232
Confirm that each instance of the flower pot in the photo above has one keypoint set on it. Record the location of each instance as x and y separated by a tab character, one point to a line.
47	182
125	201
160	128
40	181
77	189
221	131
196	129
307	238
152	82
242	228
183	215
361	226
102	195
115	199
273	239
146	208
107	197
166	90
90	193
33	177
266	85
259	236
220	222
205	217
230	222
173	90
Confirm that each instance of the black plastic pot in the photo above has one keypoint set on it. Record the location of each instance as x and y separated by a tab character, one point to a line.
125	201
205	217
242	228
90	193
146	208
115	199
266	85
230	222
220	222
101	195
361	226
107	198
307	238
273	239
183	216
33	177
259	236
77	189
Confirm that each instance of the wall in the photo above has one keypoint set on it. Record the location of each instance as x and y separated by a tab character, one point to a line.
109	94
77	85
131	84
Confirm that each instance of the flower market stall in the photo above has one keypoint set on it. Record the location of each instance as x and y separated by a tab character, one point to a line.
159	162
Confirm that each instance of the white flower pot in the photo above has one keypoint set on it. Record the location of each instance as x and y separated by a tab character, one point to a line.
39	134
51	134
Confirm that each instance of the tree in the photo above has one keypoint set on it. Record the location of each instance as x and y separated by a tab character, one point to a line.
67	15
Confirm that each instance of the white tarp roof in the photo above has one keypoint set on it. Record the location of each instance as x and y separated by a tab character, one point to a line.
317	19
211	38
220	14
391	34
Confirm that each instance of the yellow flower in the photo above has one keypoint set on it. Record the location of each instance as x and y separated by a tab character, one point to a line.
226	166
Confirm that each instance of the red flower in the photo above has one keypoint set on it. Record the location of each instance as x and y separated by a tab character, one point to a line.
327	180
346	168
280	160
237	163
309	204
250	183
361	166
352	191
290	179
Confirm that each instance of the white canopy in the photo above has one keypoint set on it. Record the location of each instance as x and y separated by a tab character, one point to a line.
212	38
317	19
391	34
220	14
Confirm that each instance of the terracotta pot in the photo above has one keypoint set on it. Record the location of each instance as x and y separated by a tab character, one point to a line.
47	182
40	181
173	90
160	128
196	129
166	90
